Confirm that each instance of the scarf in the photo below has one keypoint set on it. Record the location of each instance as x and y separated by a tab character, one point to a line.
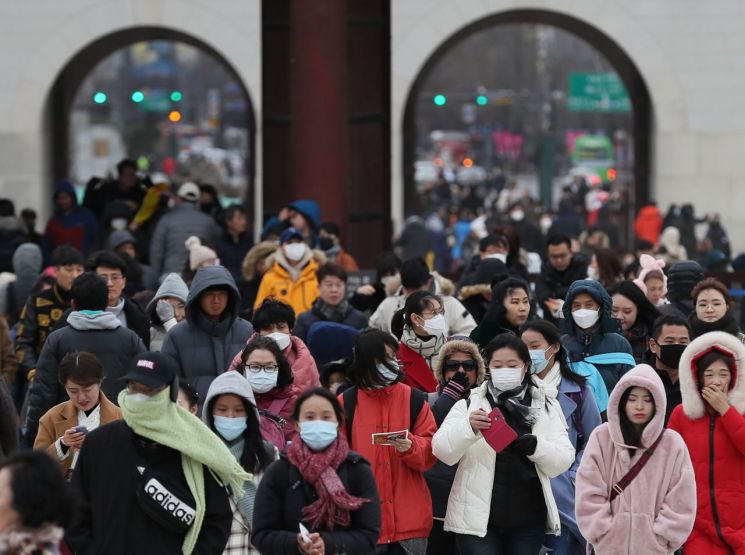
332	253
552	379
512	403
331	313
426	347
726	323
29	541
319	469
164	422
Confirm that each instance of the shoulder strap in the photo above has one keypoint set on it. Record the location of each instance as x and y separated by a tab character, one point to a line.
350	404
416	402
634	471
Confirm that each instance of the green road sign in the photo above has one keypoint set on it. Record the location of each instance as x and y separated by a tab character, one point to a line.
597	92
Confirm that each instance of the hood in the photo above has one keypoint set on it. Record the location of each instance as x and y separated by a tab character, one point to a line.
459	345
98	321
468	291
693	404
257	252
228	382
601	296
443	286
641	376
682	278
172	286
212	276
64	187
27	261
490	270
119	238
309	209
670	239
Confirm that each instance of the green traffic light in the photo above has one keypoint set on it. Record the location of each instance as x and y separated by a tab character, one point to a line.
482	100
138	96
440	100
176	96
99	97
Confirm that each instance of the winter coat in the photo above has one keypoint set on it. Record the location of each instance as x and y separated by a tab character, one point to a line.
474	301
100	334
567	222
470	499
285	399
345	260
167	251
249	285
231	253
61	418
655	512
406	506
605	337
145	278
8	423
552	284
458	319
717	447
8	365
277	283
27	262
648	224
284	493
352	318
200	346
173	287
114	450
417	371
304	369
369	303
77	229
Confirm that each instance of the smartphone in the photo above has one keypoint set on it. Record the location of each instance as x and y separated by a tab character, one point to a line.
81	429
500	434
304	533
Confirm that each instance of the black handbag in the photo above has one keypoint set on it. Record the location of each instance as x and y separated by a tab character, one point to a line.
169	504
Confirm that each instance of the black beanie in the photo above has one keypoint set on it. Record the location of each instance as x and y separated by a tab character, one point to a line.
682	278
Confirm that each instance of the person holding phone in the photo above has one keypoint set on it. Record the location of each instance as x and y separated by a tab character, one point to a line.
63	429
320	497
501	501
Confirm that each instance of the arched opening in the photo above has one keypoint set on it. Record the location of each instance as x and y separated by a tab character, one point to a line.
515	91
161	97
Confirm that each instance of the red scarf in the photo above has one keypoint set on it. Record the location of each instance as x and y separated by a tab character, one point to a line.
318	468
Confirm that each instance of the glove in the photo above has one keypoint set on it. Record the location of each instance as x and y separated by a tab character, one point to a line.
165	311
456	386
525	445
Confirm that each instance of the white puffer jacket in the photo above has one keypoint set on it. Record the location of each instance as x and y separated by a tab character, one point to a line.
469	503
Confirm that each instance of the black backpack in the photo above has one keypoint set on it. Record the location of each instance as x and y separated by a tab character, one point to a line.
416	402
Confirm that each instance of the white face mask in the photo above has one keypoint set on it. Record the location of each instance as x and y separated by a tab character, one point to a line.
261	382
436	325
506	379
387	280
117	224
498	256
138	397
517	215
592	273
294	251
546	224
585	318
281	339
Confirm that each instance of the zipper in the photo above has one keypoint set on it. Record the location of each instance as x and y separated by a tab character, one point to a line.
712	495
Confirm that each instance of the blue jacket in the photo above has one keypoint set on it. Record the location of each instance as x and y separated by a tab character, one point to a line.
589	418
603	338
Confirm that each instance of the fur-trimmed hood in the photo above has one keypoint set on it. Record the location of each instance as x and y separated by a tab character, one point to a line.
640	376
463	346
443	286
468	291
257	252
693	404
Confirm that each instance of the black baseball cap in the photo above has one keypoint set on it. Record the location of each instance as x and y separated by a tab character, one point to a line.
152	369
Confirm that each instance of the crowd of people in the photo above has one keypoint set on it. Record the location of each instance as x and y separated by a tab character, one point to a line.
170	386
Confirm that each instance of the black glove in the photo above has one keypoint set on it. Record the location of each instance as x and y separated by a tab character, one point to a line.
525	445
456	386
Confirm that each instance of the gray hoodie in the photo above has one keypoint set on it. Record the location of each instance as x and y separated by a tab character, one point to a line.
27	262
172	287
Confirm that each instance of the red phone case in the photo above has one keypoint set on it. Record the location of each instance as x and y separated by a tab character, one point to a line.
500	435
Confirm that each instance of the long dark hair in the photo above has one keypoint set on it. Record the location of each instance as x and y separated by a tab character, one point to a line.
369	350
415	304
263	343
255	457
609	266
631	435
553	336
510	341
319	392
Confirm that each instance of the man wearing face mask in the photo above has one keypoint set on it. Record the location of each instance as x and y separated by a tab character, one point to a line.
671	335
330	243
592	336
292	276
169	495
561	268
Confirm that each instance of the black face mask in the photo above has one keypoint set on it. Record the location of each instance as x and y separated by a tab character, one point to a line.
670	355
325	243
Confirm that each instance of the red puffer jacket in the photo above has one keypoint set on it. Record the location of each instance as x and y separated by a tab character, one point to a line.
417	371
717	447
405	502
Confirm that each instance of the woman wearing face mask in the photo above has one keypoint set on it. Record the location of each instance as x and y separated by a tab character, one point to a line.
387	280
270	378
651	508
510	308
379	403
502	502
711	420
420	326
551	370
320	483
713	312
458	369
636	314
230	412
166	309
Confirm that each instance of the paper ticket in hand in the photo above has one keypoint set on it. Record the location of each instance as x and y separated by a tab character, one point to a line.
387	438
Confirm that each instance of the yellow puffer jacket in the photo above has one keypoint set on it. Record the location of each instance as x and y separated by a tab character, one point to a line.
278	284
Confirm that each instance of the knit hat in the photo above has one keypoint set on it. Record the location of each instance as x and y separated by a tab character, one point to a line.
459	344
198	253
649	264
682	278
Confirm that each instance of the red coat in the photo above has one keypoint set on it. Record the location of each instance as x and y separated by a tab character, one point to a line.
649	224
717	448
418	373
405	502
289	394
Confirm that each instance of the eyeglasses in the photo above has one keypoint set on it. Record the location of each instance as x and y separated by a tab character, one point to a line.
433	313
467	365
256	368
113	279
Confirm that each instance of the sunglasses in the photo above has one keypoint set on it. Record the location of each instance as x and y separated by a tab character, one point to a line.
467	365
